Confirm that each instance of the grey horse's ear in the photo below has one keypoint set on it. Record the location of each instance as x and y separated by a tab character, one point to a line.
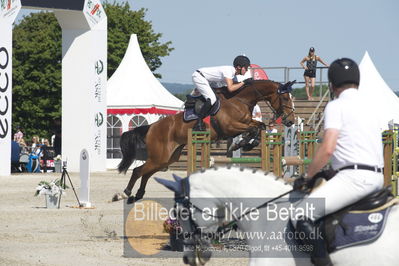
177	178
172	185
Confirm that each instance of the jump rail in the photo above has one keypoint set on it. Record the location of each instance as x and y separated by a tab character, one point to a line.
272	159
198	152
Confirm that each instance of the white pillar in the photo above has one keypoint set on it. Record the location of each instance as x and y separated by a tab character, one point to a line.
84	77
8	12
84	197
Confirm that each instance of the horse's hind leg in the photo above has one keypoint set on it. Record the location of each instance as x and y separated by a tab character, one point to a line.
151	169
128	190
141	191
146	171
137	172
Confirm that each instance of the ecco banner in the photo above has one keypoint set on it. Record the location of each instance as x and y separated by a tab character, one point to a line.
8	11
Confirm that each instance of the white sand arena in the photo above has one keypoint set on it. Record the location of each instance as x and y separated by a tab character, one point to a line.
30	234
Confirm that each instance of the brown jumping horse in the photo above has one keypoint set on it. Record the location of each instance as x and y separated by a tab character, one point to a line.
165	139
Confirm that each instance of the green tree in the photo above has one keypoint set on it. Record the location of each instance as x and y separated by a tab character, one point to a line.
37	74
37	62
122	22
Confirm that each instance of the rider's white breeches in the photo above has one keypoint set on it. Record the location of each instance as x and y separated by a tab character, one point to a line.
345	188
202	85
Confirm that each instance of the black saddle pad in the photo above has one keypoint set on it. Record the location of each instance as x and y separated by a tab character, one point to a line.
191	110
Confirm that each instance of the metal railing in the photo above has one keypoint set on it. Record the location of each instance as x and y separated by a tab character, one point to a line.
296	73
312	118
291	73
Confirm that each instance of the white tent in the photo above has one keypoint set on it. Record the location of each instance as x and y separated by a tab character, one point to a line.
373	86
134	90
134	98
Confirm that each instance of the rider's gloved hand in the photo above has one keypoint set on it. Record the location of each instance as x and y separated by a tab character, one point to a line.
248	81
303	183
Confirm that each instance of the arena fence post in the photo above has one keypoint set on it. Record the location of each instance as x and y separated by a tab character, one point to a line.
203	139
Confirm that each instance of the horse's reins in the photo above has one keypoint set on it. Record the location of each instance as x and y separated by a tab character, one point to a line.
278	112
185	199
227	227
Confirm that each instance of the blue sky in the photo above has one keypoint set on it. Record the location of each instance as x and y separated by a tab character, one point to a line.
274	33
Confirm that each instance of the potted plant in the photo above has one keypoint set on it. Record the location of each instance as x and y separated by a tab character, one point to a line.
52	192
174	229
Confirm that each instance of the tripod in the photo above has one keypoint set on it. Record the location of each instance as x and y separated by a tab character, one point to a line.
63	181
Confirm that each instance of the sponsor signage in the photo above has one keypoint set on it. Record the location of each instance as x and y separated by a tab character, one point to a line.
94	12
98	97
8	11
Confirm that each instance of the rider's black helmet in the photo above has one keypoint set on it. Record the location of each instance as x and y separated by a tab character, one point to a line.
241	61
343	71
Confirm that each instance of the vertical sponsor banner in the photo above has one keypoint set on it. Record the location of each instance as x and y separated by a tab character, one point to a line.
84	74
99	103
97	20
8	11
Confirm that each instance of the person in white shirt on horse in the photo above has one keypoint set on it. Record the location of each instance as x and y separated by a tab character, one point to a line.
352	140
222	75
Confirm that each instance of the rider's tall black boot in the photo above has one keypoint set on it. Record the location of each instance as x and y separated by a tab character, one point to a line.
200	125
319	254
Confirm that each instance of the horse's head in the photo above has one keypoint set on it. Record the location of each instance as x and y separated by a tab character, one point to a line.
194	216
279	97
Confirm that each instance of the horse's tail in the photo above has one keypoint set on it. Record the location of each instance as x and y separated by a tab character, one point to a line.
130	142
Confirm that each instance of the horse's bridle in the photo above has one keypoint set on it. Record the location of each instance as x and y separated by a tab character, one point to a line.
196	240
280	111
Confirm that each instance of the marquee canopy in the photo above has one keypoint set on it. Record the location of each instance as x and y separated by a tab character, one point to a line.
133	89
373	87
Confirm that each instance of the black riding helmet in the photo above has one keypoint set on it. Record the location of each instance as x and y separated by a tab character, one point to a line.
343	71
241	61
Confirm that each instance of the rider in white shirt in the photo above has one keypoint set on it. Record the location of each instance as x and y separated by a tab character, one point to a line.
222	75
352	140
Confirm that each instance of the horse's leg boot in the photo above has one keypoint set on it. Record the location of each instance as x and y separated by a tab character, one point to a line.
319	254
233	147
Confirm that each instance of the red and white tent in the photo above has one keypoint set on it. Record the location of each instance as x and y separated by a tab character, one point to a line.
134	98
133	90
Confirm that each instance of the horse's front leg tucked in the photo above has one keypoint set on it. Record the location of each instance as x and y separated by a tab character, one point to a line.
249	138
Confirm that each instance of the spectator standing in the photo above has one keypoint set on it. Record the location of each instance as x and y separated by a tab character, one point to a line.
310	71
15	151
45	154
